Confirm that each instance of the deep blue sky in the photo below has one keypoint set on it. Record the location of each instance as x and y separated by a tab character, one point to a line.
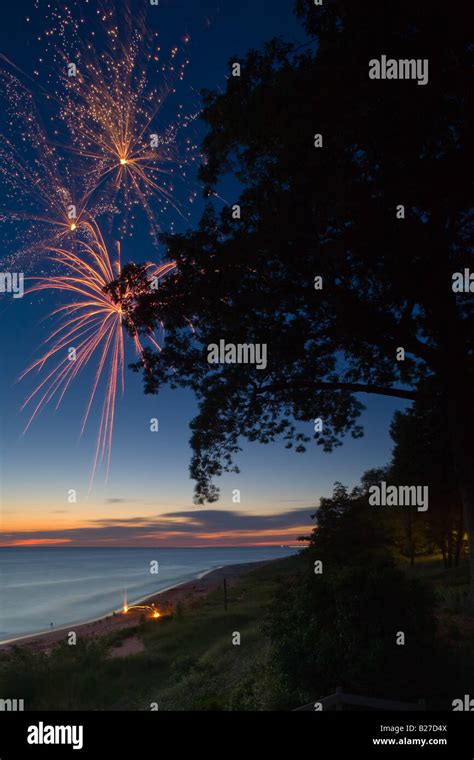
149	472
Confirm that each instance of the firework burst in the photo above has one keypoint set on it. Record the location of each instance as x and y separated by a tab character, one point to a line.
112	147
135	146
93	324
45	203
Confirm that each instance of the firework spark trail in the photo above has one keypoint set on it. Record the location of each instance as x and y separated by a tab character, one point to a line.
95	322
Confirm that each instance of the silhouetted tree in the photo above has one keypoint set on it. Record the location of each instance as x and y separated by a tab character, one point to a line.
422	455
336	623
332	212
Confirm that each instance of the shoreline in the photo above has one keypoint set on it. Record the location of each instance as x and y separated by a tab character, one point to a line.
184	592
117	611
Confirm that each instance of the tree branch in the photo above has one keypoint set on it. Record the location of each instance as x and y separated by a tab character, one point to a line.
353	387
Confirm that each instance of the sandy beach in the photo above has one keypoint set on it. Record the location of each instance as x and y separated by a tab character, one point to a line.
184	594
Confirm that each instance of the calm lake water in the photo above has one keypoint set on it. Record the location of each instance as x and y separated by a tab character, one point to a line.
65	586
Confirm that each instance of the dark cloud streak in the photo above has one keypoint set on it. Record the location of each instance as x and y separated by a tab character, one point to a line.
179	528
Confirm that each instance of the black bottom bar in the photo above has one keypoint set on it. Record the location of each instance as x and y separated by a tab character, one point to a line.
374	734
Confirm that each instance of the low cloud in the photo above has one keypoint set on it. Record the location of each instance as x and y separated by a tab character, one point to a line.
193	527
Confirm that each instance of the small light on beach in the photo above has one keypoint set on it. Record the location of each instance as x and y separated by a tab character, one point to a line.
153	613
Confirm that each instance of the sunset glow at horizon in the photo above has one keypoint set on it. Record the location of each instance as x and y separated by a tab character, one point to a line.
201	529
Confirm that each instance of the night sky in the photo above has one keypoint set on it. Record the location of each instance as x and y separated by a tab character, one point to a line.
148	497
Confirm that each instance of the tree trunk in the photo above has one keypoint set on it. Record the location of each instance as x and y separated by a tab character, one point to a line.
410	541
459	539
455	374
461	425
